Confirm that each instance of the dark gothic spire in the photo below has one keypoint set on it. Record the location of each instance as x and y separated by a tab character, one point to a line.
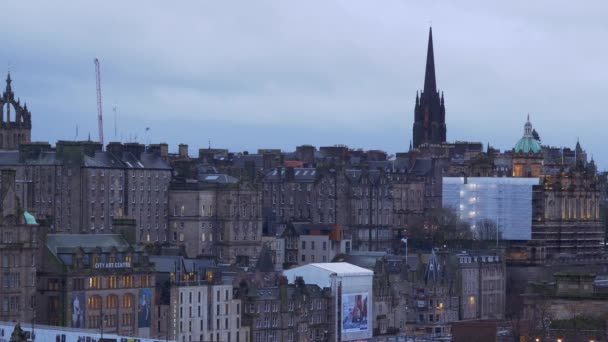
430	86
8	84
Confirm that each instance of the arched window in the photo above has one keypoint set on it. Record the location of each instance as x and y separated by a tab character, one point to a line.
111	302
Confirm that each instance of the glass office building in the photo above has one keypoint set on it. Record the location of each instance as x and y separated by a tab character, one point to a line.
505	201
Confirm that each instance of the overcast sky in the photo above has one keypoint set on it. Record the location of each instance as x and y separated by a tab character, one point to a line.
276	74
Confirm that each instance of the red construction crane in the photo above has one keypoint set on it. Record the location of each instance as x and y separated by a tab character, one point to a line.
99	112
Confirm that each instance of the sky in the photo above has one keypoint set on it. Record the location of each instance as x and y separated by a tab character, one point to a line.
245	75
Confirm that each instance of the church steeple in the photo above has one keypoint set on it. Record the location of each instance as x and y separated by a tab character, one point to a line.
430	85
429	113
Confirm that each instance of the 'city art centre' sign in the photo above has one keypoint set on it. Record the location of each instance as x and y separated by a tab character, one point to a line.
112	265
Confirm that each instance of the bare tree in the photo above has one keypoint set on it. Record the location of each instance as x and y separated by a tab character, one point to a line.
487	229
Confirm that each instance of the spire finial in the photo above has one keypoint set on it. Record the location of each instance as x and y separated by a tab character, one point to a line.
8	81
430	85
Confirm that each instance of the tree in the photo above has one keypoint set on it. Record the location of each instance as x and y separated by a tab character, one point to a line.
487	229
439	226
18	335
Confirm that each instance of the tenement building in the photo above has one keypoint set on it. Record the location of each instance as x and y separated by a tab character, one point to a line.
205	311
288	312
217	215
18	249
96	282
372	203
78	188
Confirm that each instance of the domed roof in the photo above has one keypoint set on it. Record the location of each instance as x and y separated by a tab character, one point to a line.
527	144
29	218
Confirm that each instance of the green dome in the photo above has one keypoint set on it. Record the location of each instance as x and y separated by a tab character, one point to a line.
527	145
29	218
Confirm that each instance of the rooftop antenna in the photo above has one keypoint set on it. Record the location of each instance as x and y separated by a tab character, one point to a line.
76	137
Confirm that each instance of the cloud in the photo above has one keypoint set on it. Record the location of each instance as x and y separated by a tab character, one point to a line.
315	71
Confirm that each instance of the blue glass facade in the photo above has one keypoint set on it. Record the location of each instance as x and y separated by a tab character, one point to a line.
506	201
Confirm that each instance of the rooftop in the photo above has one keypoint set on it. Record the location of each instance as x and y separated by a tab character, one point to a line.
342	268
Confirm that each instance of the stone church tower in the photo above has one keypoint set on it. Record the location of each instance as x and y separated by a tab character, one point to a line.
18	129
429	113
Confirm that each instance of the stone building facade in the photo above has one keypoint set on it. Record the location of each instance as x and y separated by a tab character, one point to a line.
18	251
373	205
96	282
217	215
288	312
566	214
78	188
482	284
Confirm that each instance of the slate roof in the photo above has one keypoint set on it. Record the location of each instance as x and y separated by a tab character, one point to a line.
301	174
166	263
192	265
217	178
9	158
70	243
100	159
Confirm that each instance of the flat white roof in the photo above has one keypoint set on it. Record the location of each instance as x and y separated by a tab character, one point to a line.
342	268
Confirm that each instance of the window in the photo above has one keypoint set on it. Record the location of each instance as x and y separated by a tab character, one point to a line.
94	282
94	303
127	281
312	245
303	257
78	284
112	282
127	301
111	302
303	244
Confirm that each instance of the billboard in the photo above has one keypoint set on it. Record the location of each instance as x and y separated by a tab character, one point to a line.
78	305
354	312
143	309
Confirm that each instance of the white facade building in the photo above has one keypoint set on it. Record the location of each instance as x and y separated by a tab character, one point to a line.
206	313
352	289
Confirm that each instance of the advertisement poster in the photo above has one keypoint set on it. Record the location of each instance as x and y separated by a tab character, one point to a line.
143	308
354	312
78	306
